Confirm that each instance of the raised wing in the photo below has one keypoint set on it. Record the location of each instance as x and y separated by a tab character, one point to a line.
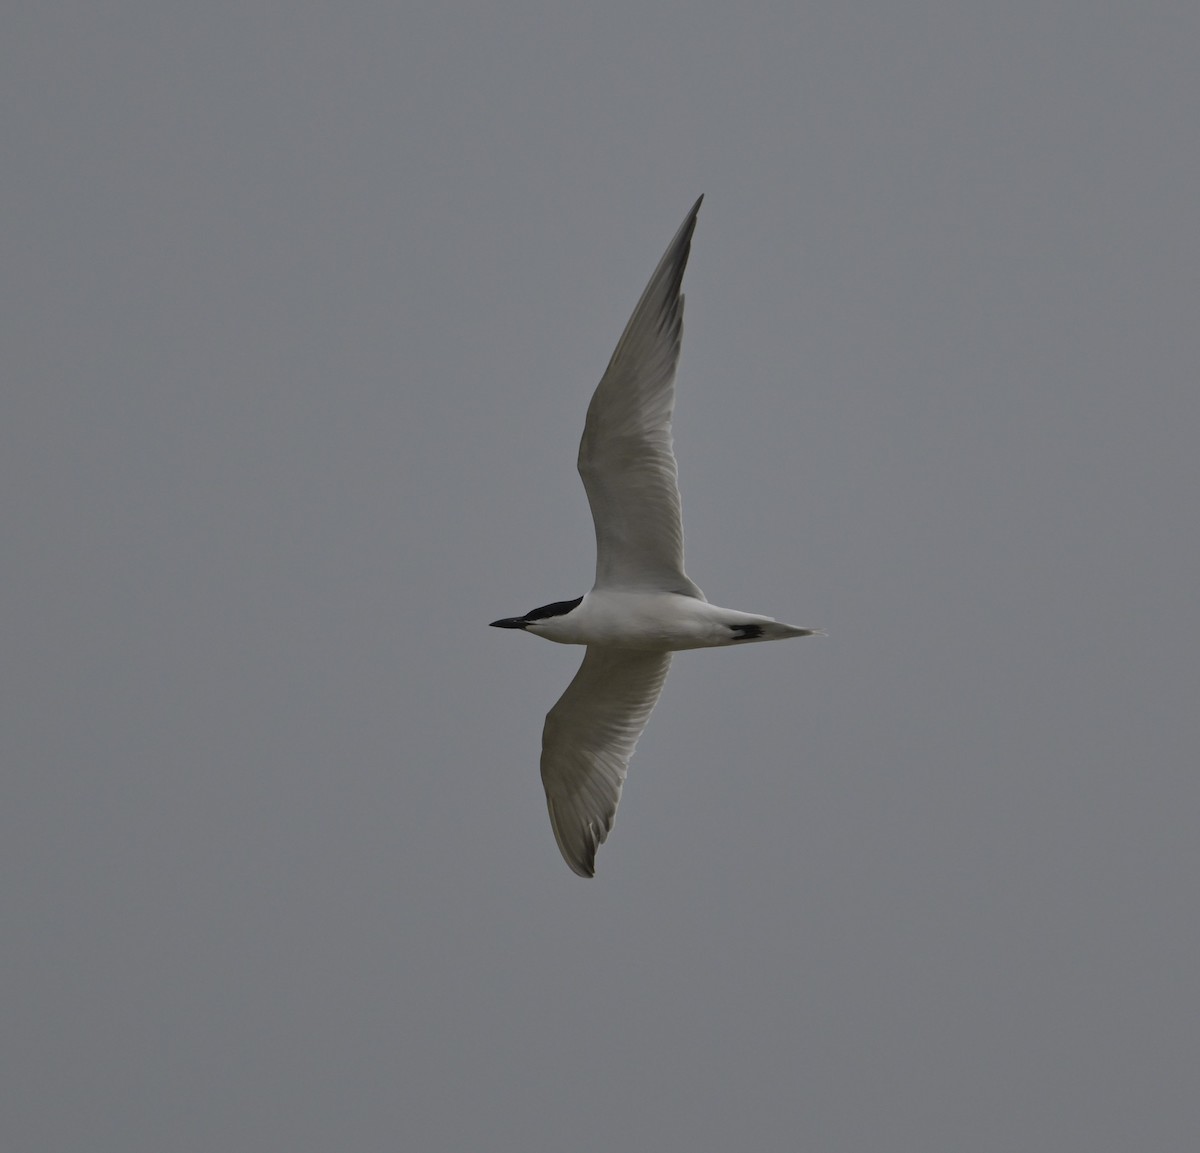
625	458
589	737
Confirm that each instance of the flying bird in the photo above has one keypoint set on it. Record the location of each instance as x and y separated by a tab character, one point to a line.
643	607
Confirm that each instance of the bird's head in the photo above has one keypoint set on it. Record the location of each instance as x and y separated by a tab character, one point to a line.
542	613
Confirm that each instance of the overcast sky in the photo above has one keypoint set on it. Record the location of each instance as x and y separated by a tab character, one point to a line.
302	308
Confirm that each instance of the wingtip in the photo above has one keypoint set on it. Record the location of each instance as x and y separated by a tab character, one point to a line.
580	866
581	858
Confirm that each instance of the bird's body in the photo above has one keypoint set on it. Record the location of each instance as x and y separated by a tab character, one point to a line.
643	606
654	622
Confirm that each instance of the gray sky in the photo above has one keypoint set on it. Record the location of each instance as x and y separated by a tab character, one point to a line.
302	307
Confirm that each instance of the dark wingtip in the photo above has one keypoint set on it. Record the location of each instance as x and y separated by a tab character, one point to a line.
585	866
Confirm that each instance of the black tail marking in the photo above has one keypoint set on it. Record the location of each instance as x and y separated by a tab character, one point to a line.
746	632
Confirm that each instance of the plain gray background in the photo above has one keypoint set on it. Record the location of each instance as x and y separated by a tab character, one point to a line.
302	308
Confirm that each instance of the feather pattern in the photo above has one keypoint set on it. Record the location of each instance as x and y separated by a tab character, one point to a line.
626	456
587	742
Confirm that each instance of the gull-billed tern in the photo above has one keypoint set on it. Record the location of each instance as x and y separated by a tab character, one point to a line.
642	607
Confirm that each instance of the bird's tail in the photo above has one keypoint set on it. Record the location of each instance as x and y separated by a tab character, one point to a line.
769	630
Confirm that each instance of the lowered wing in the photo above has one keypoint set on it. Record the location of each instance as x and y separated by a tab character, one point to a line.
589	737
